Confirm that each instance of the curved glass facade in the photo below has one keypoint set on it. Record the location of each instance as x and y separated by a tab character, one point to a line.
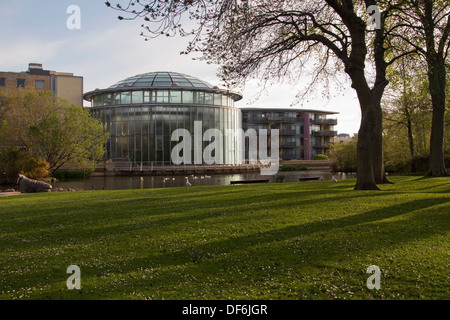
162	96
141	121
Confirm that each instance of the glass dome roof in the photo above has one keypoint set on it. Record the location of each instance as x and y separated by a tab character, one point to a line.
162	79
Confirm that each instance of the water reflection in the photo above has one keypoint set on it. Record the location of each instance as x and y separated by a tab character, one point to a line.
146	182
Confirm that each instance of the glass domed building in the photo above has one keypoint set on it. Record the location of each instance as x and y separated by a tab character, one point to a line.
141	112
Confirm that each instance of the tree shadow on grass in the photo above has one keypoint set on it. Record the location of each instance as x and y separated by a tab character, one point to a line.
81	225
321	241
282	234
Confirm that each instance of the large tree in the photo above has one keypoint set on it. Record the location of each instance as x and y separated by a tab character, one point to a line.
425	26
44	125
277	39
407	110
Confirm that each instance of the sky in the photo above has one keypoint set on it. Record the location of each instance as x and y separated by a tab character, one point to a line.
106	50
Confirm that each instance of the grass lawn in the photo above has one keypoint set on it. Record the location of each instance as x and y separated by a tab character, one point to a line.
310	240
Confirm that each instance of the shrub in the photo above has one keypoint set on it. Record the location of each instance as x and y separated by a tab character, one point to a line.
421	164
320	157
290	168
13	161
35	167
343	155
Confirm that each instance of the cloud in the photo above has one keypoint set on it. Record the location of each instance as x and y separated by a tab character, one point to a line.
17	55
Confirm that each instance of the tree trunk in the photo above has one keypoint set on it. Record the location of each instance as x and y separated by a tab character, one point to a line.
354	67
376	96
365	179
410	139
437	78
377	144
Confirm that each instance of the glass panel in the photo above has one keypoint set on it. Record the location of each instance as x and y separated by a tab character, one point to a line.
200	113
126	98
162	83
217	118
152	96
147	96
40	84
97	102
138	97
188	97
224	100
107	99
107	118
20	83
209	98
162	96
217	99
199	97
175	96
116	98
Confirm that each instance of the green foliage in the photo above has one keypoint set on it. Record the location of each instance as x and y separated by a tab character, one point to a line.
13	161
421	163
407	116
343	155
48	127
290	168
320	157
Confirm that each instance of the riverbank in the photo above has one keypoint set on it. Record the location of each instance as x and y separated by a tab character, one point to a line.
268	241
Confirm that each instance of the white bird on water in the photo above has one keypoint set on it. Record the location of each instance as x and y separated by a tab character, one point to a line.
333	179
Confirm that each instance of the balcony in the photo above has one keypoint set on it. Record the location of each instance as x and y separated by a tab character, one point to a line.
331	122
284	119
320	145
258	120
288	132
327	133
288	144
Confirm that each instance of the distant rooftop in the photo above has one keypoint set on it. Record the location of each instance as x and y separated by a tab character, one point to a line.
162	79
290	109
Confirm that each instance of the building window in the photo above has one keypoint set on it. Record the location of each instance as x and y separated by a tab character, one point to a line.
116	98
175	96
40	84
188	97
209	98
137	97
20	83
2	82
126	98
162	96
97	100
217	99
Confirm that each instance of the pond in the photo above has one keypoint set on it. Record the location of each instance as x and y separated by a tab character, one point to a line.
135	182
